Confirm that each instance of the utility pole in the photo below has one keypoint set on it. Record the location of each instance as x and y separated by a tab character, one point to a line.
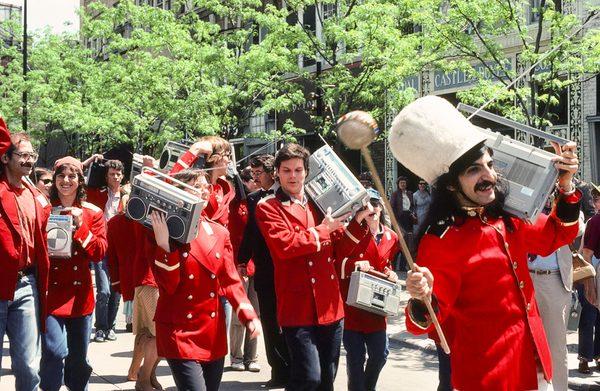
25	65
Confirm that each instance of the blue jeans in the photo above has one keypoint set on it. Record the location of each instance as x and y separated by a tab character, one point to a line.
357	345
314	356
228	310
72	348
107	300
19	320
190	375
589	329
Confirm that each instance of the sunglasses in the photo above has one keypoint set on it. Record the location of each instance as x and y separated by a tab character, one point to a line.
46	181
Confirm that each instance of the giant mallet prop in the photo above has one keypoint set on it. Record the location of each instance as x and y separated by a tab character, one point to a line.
357	130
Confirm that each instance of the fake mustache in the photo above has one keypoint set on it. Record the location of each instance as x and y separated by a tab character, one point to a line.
483	185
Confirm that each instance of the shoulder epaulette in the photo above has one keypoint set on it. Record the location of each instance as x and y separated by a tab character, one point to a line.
91	206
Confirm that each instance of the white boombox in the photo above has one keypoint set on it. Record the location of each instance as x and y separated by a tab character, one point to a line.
373	294
60	235
330	184
182	210
530	171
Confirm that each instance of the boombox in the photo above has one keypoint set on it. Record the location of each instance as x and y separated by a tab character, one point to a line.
529	171
150	191
96	174
60	235
171	153
330	184
373	294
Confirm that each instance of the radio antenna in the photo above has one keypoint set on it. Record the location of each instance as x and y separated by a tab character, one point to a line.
258	150
542	58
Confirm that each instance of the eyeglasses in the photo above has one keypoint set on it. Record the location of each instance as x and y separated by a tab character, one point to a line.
257	173
27	155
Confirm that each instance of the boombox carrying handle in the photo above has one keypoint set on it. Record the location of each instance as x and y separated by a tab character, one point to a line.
373	272
169	178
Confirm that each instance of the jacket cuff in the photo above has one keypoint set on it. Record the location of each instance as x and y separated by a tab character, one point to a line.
167	261
418	314
355	231
568	207
83	235
187	160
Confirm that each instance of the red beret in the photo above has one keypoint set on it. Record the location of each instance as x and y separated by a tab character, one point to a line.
69	160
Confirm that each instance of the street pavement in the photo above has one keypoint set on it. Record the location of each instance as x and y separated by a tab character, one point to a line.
411	365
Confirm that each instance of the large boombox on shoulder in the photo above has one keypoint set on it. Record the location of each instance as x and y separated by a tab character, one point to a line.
60	234
136	166
330	184
151	191
95	176
373	294
529	170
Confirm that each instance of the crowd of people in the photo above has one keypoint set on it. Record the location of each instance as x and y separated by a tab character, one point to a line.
267	262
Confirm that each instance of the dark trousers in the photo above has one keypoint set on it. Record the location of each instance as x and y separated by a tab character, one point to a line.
358	345
72	348
190	375
443	370
589	329
278	356
107	300
315	354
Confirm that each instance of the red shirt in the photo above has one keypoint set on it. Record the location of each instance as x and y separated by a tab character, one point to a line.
26	210
591	238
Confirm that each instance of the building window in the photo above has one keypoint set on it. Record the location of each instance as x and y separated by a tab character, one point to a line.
309	21
329	11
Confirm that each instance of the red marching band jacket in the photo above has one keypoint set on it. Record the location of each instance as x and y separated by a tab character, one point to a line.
380	257
11	236
306	284
483	290
122	249
238	218
70	289
190	321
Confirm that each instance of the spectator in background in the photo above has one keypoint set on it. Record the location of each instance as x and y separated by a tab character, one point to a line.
111	200
42	179
403	208
243	348
421	201
589	322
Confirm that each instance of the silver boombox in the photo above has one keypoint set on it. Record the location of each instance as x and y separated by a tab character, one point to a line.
373	294
149	192
60	235
330	184
530	171
170	154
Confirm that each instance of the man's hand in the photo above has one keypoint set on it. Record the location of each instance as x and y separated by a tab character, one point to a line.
364	212
419	284
161	231
148	161
363	266
201	148
93	158
334	223
567	163
254	328
392	276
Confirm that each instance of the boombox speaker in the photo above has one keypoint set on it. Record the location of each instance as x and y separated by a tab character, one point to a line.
150	191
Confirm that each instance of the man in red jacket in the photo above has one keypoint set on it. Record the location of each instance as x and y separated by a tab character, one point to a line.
473	256
23	258
309	305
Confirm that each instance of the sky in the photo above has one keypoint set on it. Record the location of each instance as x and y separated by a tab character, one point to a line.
53	13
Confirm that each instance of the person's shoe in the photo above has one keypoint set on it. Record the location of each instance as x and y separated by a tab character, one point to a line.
238	366
584	368
99	337
129	327
110	335
253	367
275	383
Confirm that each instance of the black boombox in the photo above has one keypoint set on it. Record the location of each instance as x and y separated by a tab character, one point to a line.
96	174
173	151
151	191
